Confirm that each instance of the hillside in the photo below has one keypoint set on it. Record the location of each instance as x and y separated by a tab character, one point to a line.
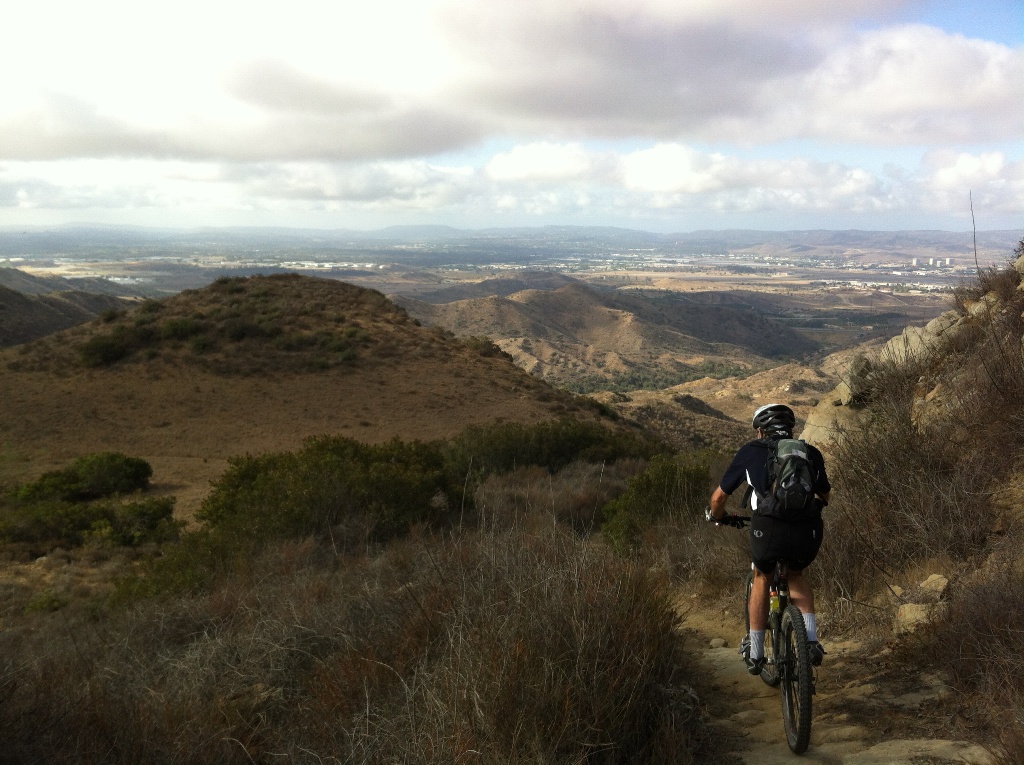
583	339
29	284
25	317
249	366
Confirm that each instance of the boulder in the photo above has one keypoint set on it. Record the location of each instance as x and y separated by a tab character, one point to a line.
827	421
944	323
910	617
983	308
913	344
935	586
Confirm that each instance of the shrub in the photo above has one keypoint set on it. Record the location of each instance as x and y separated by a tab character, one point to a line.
914	479
181	328
671	485
336	485
111	315
151	306
103	350
553	445
70	524
93	476
485	347
979	643
572	497
1001	282
237	329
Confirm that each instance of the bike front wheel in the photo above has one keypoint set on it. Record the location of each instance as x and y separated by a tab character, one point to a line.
797	676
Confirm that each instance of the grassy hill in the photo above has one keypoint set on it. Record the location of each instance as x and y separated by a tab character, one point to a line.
249	366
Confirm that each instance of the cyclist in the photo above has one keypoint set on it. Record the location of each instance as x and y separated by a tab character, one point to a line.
794	542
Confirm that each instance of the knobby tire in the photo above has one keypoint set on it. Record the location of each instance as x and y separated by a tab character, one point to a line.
797	679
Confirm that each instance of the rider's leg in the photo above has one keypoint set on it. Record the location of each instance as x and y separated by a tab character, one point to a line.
757	610
800	594
758	605
802	597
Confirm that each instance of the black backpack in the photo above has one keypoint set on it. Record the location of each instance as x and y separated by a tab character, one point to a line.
791	480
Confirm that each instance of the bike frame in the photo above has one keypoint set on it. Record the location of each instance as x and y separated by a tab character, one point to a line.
788	664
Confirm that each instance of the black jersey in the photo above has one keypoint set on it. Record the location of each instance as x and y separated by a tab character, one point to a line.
750	466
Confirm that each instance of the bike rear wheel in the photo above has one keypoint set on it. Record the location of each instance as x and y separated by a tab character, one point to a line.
770	673
797	678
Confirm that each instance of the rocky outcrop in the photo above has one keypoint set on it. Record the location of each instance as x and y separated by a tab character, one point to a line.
843	409
926	604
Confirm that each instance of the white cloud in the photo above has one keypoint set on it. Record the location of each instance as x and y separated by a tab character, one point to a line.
916	84
544	162
674	168
601	107
952	170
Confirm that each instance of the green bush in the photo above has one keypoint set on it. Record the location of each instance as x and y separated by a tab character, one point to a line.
93	476
553	445
372	491
670	484
70	524
103	350
181	328
485	347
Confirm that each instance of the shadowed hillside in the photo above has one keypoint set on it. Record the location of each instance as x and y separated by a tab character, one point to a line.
25	317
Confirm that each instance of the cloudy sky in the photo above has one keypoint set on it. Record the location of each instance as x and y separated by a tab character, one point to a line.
665	115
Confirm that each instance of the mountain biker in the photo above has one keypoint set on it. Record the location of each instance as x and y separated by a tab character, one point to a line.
771	539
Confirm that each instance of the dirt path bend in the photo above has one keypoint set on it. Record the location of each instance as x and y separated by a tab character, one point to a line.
856	720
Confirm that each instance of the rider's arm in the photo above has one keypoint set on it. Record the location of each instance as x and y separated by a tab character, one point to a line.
717	503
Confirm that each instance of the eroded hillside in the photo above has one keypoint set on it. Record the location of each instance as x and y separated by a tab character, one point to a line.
583	339
592	336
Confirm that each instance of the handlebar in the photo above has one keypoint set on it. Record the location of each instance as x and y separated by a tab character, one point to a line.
736	521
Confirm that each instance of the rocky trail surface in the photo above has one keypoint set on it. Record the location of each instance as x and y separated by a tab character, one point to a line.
862	716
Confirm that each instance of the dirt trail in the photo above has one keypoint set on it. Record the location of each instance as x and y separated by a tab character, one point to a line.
856	721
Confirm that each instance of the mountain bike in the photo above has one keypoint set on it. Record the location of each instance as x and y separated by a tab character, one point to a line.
787	655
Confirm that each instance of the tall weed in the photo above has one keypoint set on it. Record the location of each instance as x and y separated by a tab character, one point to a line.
519	646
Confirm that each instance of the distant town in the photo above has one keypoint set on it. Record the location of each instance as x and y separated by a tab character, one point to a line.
161	262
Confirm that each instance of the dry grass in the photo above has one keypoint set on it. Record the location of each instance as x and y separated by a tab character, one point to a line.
507	646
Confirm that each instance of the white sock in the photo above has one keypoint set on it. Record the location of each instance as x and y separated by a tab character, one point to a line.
756	644
811	624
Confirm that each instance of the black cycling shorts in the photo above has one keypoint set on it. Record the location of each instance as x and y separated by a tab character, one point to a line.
772	540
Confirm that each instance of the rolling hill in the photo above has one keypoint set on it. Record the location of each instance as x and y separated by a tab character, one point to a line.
582	338
249	366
